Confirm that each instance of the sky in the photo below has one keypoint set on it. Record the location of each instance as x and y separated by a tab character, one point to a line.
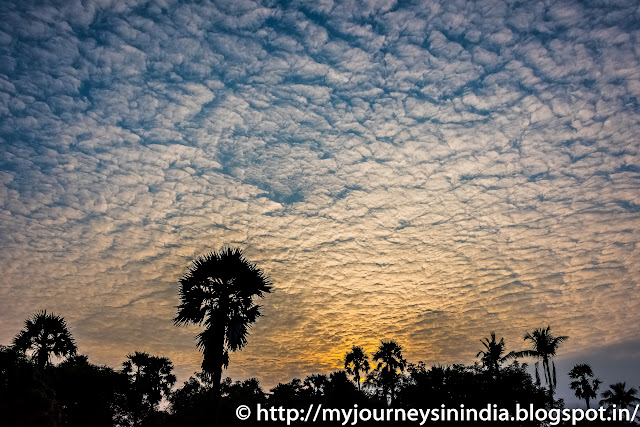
427	172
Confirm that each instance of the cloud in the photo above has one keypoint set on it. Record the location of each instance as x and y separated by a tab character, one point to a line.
419	172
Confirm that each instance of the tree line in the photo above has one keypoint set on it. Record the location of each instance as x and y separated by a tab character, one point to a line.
219	292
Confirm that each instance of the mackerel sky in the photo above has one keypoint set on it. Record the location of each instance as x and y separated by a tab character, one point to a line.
423	171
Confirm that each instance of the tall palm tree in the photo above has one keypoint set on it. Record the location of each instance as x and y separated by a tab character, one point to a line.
545	346
151	378
389	356
45	334
583	385
218	292
619	395
492	355
355	362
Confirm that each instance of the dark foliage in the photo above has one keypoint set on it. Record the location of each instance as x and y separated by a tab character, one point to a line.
89	394
472	387
150	379
25	399
35	392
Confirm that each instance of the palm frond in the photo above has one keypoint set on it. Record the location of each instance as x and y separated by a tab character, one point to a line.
45	334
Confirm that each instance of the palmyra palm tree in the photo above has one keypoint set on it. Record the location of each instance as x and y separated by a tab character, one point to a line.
583	385
545	345
619	395
355	362
45	334
218	291
492	355
389	355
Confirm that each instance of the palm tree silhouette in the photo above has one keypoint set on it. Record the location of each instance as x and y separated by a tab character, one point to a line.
389	355
151	378
619	395
492	355
45	334
355	362
582	384
545	345
218	292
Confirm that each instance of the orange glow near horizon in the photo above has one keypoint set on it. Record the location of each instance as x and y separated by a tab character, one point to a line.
400	171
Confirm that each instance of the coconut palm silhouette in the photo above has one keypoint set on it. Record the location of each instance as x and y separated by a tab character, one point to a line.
218	292
45	334
619	395
492	355
545	346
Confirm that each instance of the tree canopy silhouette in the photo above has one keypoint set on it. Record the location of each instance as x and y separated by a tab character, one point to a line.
151	378
355	363
619	395
45	334
389	356
25	399
583	385
218	291
89	394
492	355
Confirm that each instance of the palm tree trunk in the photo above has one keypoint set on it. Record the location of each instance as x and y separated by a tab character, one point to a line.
393	392
384	382
548	374
42	358
137	409
212	363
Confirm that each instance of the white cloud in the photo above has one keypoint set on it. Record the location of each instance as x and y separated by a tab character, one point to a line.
408	172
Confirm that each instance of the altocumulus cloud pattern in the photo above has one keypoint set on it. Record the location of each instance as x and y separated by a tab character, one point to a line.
424	171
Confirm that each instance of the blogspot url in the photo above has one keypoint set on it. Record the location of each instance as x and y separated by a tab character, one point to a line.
491	413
